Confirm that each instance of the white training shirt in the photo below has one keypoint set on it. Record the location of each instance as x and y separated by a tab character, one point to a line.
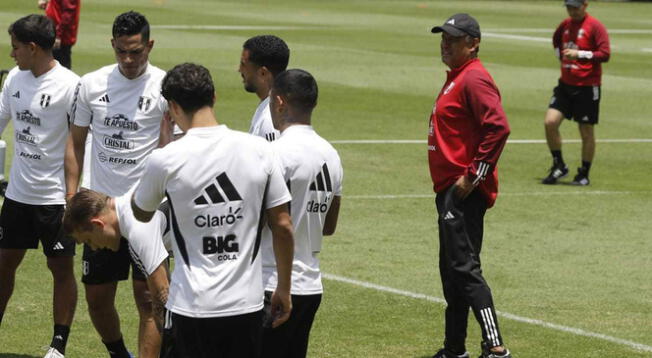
39	108
145	239
261	123
214	179
313	171
126	116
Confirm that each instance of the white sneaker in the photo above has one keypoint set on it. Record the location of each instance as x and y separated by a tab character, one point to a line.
53	353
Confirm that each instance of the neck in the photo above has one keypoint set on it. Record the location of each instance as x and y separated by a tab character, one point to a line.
263	91
44	66
204	117
303	120
112	218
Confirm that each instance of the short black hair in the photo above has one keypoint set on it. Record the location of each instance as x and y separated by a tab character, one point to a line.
131	23
38	29
269	51
190	86
299	89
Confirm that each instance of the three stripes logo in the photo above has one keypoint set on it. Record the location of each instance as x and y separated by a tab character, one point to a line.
45	100
270	136
322	181
217	191
105	98
16	95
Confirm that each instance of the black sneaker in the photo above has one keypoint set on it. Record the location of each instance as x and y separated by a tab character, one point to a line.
581	178
445	353
556	173
486	353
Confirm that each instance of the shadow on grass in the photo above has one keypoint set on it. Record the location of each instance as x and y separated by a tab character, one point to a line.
16	355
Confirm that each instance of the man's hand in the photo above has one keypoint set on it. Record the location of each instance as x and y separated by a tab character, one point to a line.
570	54
42	4
281	307
166	134
463	187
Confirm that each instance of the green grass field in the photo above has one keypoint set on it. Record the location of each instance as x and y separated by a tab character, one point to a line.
570	267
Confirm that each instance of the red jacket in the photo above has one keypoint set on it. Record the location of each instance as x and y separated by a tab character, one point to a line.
65	14
585	35
468	130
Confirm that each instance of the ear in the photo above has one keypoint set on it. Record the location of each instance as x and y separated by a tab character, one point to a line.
282	103
263	71
97	223
32	47
150	44
113	43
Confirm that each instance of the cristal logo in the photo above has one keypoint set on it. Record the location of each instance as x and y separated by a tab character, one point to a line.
24	136
117	141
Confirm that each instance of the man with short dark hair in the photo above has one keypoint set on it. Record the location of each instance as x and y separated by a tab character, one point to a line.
468	130
126	108
222	186
263	57
37	96
581	43
313	172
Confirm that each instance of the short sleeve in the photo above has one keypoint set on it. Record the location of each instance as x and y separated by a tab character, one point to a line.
151	188
80	111
5	109
277	191
337	191
146	243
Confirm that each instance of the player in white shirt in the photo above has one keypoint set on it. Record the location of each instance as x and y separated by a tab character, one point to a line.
37	96
313	172
221	185
102	222
126	108
263	57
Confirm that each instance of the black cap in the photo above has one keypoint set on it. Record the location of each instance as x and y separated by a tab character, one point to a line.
574	3
459	25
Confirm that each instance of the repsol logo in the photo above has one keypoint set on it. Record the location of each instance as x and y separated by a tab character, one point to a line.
221	245
30	156
314	206
104	158
218	220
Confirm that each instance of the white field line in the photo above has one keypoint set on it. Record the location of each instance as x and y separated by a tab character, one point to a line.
509	141
551	30
517	37
231	27
513	317
526	193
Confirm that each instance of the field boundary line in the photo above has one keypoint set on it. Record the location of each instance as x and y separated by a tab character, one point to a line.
507	315
509	141
525	193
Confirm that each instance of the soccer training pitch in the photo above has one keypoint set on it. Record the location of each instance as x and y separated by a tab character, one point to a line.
570	267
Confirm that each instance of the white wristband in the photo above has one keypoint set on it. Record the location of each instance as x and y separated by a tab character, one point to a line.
585	54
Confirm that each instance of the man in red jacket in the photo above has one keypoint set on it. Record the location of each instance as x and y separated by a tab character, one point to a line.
65	15
581	43
468	130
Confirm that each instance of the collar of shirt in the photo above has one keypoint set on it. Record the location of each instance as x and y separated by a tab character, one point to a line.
216	130
297	128
456	71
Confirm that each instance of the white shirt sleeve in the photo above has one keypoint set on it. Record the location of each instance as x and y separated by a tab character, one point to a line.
146	243
151	189
5	109
277	192
338	188
81	113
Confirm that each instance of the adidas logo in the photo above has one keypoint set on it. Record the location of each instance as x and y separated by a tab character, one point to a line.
451	22
449	216
270	136
215	195
17	94
322	181
59	337
57	246
105	98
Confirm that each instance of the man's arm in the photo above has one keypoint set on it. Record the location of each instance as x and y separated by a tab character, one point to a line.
331	216
283	241
74	158
159	286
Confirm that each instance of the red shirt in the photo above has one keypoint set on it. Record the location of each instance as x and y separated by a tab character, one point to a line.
65	14
585	35
468	130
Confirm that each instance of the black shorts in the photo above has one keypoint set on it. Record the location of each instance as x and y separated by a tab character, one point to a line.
220	337
106	266
290	340
579	103
23	225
